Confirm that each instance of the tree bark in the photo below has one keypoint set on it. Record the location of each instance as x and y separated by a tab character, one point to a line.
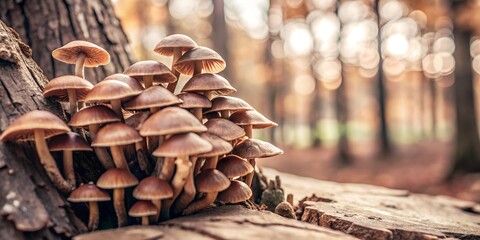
49	24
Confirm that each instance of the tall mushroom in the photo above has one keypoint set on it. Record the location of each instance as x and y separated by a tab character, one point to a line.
209	84
150	72
92	195
155	190
36	126
152	98
118	179
195	103
225	129
251	119
143	209
198	60
227	105
82	54
68	88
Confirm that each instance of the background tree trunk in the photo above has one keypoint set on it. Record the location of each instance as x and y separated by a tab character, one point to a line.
220	35
49	24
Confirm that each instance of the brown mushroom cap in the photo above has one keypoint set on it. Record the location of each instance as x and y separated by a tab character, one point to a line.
116	134
171	120
228	103
88	193
211	180
130	81
155	96
185	144
97	114
219	145
234	166
142	209
237	192
116	178
212	62
109	90
224	128
160	72
58	87
22	128
214	83
193	100
136	120
169	43
68	141
254	148
95	55
251	117
152	188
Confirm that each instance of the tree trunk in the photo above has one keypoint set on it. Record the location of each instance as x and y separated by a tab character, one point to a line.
49	24
343	155
220	35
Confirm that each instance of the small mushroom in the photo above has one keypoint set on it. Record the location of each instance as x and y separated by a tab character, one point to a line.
118	179
150	72
130	81
237	192
143	209
68	88
225	129
195	103
227	105
155	190
92	195
234	166
209	84
36	126
152	98
198	60
251	119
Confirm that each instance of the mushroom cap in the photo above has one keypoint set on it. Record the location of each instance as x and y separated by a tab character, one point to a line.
142	209
130	81
254	148
237	192
185	144
193	100
137	119
116	134
68	141
116	178
234	166
95	55
59	87
211	180
155	96
97	114
171	120
152	188
22	128
251	117
212	62
88	193
214	83
224	128
109	90
160	72
228	103
168	44
219	146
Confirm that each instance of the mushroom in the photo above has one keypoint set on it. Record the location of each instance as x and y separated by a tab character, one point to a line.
130	81
237	192
116	136
253	148
285	210
175	45
227	105
234	166
210	182
68	142
251	119
209	84
82	54
118	179
198	60
152	98
111	91
155	190
195	103
150	72
181	146
225	129
92	117
68	88
135	121
143	209
92	195
36	126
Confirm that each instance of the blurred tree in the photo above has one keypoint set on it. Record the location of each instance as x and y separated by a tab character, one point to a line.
49	24
220	34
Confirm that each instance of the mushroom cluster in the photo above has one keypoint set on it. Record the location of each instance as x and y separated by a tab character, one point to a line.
187	149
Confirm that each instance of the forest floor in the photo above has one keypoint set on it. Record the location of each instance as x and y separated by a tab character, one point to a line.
419	168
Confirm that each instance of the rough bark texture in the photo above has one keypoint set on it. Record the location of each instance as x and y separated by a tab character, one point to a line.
48	24
30	206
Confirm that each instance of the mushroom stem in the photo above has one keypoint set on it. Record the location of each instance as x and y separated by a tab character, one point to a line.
198	167
188	193
142	158
197	67
119	205
178	181
49	163
119	157
248	130
72	101
117	108
68	166
201	204
158	204
167	169
93	218
210	163
208	94
79	65
225	114
249	177
100	152
145	221
198	113
154	109
177	53
148	81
